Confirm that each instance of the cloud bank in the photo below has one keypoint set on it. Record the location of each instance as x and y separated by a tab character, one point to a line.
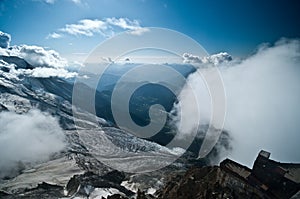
105	27
215	59
39	57
36	56
27	139
43	63
263	95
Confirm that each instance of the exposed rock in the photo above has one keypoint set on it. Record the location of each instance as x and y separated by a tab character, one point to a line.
267	179
43	190
208	182
85	183
143	195
116	196
3	108
19	62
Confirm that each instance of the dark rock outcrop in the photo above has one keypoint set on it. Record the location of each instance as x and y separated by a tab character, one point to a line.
84	184
3	108
268	179
43	190
19	62
208	182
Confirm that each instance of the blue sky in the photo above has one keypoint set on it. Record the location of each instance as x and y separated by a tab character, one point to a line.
234	26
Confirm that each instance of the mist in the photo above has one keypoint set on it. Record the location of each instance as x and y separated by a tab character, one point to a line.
262	97
27	139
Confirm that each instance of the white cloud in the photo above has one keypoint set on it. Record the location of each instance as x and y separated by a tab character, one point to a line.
215	59
4	40
262	97
219	58
138	31
133	26
263	94
39	57
28	139
49	72
126	24
190	58
85	27
77	2
123	23
54	36
45	63
43	67
105	27
36	56
49	1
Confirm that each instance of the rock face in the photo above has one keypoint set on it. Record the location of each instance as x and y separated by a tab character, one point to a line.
43	190
277	180
209	182
20	63
267	179
82	183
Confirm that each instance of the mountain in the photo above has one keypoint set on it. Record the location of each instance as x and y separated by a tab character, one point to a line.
45	154
19	62
76	169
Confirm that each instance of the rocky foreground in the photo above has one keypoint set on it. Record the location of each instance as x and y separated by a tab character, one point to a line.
267	179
